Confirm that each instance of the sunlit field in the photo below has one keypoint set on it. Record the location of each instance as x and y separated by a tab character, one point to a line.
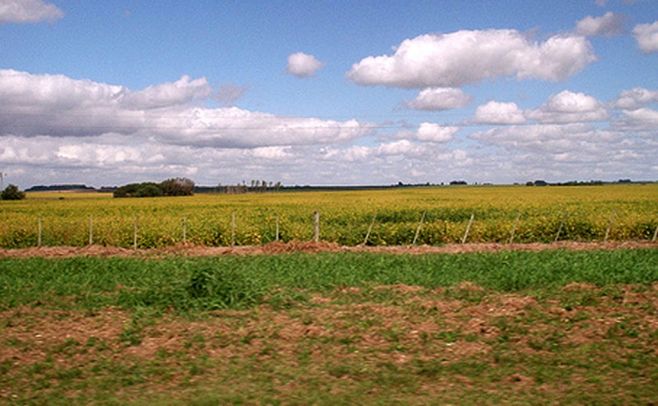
430	216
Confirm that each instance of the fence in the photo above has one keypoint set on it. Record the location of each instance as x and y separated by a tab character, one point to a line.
376	229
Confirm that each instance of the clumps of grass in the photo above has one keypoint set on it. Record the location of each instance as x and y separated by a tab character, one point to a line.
222	288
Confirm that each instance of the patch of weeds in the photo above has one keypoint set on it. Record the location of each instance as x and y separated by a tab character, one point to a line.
132	333
622	329
195	341
447	336
224	288
68	374
286	299
466	293
571	300
551	342
68	347
5	367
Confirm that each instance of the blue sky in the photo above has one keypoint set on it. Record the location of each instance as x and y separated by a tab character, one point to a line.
328	92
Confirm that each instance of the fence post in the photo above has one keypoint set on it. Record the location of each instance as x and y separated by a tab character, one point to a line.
276	234
233	227
40	231
316	226
372	223
516	222
420	224
559	230
655	234
610	223
468	228
135	233
91	230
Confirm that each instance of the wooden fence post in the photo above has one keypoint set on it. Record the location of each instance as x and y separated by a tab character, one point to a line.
468	228
316	226
91	230
559	229
655	234
420	224
40	231
516	222
372	223
233	229
135	233
611	221
276	234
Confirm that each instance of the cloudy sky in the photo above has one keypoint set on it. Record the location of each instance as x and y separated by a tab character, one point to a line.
328	92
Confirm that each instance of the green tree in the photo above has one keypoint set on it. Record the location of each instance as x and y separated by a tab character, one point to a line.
12	192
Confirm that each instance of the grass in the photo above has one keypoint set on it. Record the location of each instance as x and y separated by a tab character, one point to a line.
513	327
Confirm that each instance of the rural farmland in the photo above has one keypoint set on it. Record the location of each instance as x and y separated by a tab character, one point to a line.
431	216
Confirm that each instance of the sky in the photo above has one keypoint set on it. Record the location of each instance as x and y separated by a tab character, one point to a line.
328	92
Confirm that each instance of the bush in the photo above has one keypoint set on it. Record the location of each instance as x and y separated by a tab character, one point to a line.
170	187
177	187
12	192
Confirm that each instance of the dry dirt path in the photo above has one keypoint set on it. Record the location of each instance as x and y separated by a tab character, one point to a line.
311	247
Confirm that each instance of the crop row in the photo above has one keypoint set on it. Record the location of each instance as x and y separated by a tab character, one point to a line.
381	228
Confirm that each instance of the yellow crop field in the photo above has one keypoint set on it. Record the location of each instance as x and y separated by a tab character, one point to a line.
528	214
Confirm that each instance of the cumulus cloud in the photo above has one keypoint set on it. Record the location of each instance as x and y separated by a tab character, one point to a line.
179	92
495	112
640	119
569	107
608	24
431	132
462	57
439	98
60	106
646	36
635	98
28	11
303	65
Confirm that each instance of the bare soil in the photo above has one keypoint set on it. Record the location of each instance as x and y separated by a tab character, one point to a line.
312	247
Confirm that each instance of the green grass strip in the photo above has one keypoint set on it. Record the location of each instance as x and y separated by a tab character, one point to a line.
233	282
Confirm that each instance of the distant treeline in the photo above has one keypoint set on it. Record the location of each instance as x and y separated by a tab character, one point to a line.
52	188
149	188
577	183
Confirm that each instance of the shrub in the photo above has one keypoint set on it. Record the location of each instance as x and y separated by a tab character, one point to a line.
12	192
177	187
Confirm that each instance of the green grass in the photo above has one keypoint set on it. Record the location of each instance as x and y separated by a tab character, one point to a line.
235	282
555	327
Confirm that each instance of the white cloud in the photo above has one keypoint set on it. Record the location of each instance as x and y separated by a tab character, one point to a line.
303	65
28	11
495	112
608	24
635	98
569	107
179	92
465	57
431	132
60	106
646	36
439	98
642	118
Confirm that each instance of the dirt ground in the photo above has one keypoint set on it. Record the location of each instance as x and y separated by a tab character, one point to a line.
312	247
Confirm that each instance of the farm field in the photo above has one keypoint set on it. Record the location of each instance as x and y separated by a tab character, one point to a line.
500	213
332	328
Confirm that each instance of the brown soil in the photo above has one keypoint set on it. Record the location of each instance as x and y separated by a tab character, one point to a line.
311	247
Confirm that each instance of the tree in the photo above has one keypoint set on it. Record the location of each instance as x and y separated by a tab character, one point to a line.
177	187
12	192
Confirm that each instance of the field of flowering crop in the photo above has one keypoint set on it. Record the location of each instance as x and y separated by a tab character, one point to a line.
430	216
